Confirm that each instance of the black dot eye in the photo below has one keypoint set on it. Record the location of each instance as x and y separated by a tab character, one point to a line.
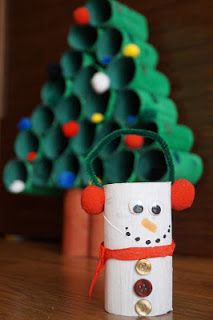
156	209
136	207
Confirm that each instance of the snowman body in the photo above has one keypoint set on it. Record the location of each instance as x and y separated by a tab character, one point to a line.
138	215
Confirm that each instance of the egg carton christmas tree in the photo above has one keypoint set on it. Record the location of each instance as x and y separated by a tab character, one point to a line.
106	80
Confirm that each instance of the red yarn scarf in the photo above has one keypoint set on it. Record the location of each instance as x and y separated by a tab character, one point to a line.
136	253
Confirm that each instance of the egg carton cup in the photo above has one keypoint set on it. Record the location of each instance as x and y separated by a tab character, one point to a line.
114	14
116	163
83	38
152	165
29	147
51	92
134	106
105	43
178	137
81	84
42	119
66	171
128	73
19	177
114	41
100	107
121	167
93	107
26	142
68	109
82	142
72	61
43	176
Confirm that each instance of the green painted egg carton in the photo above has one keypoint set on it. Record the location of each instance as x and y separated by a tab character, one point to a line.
52	91
132	94
121	73
126	72
47	141
128	107
23	177
109	42
177	136
113	42
148	165
72	61
133	106
152	165
114	14
145	102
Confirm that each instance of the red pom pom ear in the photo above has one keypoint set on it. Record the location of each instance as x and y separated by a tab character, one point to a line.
183	194
92	199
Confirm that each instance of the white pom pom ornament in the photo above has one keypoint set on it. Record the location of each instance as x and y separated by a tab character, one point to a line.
100	82
17	186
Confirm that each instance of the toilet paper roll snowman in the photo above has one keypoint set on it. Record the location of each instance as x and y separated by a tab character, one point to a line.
138	247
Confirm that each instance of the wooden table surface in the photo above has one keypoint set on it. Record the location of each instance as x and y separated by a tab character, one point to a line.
36	283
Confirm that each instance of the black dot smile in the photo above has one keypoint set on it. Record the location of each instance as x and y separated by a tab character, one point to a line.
148	242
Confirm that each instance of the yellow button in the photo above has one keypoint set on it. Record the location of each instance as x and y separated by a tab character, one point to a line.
143	267
143	307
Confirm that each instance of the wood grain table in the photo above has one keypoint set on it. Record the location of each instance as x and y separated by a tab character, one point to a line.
36	283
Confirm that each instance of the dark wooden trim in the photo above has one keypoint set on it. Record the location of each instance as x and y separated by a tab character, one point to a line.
3	37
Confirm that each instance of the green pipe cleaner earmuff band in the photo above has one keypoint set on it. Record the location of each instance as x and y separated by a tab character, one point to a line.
115	134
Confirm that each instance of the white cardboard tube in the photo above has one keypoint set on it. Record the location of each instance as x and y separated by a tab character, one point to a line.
121	276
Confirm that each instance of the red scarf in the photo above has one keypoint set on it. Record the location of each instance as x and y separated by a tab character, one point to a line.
136	253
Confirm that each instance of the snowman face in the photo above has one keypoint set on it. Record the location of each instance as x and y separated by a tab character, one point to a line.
137	214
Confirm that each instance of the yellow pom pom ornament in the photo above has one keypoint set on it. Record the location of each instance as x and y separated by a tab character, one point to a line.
131	50
97	117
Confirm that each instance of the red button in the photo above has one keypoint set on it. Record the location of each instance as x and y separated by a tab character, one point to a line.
143	288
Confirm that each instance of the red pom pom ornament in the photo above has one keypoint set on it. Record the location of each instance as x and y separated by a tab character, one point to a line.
183	194
134	141
31	156
81	16
92	200
71	129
